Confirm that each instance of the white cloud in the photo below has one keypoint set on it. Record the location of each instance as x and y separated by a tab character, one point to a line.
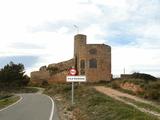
135	60
49	23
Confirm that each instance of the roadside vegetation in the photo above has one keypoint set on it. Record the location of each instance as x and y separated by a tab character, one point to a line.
13	76
148	106
149	84
13	80
92	105
6	100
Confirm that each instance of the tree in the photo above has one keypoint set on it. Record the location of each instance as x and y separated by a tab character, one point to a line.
13	75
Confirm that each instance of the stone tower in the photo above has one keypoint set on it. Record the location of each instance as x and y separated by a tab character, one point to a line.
79	44
92	60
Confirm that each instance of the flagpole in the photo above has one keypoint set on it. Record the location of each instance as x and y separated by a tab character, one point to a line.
77	28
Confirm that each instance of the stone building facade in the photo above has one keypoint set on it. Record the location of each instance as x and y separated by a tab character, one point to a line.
91	60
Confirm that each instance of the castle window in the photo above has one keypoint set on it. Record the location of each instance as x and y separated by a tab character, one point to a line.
93	63
93	51
82	64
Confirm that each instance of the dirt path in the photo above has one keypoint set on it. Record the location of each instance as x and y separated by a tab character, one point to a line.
121	97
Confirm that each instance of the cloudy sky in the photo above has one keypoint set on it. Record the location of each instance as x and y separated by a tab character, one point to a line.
40	32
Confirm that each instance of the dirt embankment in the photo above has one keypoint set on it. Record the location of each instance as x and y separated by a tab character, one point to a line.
131	86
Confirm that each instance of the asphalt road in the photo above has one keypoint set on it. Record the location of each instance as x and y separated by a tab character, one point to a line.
31	107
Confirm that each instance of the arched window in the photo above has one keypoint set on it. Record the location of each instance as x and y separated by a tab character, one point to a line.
82	64
93	51
93	63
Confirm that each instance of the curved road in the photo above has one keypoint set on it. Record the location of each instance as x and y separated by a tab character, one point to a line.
31	107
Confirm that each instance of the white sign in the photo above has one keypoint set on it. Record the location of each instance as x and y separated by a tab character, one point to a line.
76	78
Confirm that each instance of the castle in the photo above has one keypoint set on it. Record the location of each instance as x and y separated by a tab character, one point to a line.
91	60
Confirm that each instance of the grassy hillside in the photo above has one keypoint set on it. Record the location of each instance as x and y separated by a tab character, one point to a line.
92	105
151	89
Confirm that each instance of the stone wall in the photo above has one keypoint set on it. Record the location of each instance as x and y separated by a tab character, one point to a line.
44	74
103	57
65	65
39	76
126	76
59	77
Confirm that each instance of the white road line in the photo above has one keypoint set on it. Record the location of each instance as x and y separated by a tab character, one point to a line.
52	110
12	104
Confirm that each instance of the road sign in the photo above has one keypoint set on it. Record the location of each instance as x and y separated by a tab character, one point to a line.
72	71
76	78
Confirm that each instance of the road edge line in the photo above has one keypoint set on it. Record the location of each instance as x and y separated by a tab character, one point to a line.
52	110
12	104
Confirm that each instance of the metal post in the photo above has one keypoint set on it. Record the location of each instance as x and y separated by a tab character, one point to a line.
72	93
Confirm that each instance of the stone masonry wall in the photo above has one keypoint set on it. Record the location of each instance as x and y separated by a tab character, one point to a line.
59	77
63	65
44	75
39	76
103	57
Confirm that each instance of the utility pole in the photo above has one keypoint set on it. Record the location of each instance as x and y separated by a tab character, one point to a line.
124	71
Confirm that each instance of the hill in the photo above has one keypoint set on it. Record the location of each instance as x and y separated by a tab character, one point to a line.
143	85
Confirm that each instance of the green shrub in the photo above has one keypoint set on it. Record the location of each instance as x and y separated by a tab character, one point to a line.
45	83
152	90
152	94
115	85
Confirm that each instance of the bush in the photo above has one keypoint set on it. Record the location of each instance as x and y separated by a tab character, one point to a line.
115	85
154	85
152	94
152	90
45	83
4	94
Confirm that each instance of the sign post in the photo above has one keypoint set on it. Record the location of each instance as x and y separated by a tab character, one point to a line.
72	78
72	93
